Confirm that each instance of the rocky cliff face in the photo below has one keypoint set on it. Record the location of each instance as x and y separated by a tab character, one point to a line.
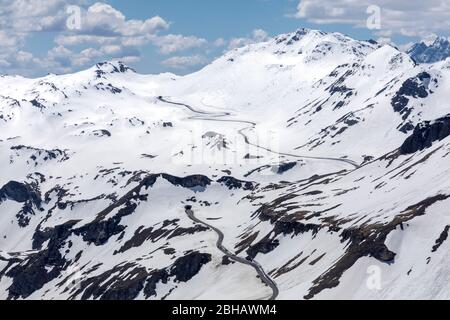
425	134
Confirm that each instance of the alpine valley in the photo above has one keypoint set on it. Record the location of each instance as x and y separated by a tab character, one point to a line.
309	166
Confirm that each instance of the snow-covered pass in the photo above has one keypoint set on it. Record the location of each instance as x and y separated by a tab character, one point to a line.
307	166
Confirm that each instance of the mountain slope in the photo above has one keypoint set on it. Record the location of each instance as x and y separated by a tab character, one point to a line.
310	166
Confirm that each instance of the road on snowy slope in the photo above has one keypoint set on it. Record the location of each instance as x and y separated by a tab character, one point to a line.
216	116
211	116
259	269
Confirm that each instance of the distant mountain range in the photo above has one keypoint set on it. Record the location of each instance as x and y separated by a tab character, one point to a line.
429	53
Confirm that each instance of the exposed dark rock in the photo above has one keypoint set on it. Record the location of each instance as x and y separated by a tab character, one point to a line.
369	241
186	267
233	183
107	87
32	275
60	232
248	156
142	234
441	239
416	87
314	262
126	289
28	194
100	231
430	53
189	181
112	67
169	251
282	168
155	277
407	127
123	282
264	246
178	232
227	261
37	104
283	223
38	155
425	134
20	192
101	133
294	227
41	267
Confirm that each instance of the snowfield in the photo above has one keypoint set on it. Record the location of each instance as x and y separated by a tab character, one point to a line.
310	166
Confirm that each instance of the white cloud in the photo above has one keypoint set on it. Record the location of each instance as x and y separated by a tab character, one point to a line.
23	56
184	62
31	15
111	49
405	17
74	40
260	35
103	33
429	39
406	46
174	42
257	35
220	42
9	40
103	19
4	63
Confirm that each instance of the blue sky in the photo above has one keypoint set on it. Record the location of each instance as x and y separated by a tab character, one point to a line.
181	36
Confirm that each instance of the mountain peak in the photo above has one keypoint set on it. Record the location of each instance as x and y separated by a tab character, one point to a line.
316	45
299	34
440	41
429	53
114	66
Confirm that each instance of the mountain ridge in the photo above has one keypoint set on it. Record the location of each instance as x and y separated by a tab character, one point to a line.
315	157
436	51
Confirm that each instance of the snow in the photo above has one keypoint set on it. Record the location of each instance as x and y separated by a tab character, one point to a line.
281	101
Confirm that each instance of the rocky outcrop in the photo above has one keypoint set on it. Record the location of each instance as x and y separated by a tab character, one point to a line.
42	267
233	183
266	245
28	194
425	134
369	241
125	282
286	167
101	133
20	192
157	276
416	87
185	268
442	238
100	231
190	182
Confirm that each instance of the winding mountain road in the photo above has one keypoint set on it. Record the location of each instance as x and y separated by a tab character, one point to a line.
254	264
210	116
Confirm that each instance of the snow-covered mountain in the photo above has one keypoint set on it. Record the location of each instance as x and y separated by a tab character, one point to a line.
310	166
436	51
